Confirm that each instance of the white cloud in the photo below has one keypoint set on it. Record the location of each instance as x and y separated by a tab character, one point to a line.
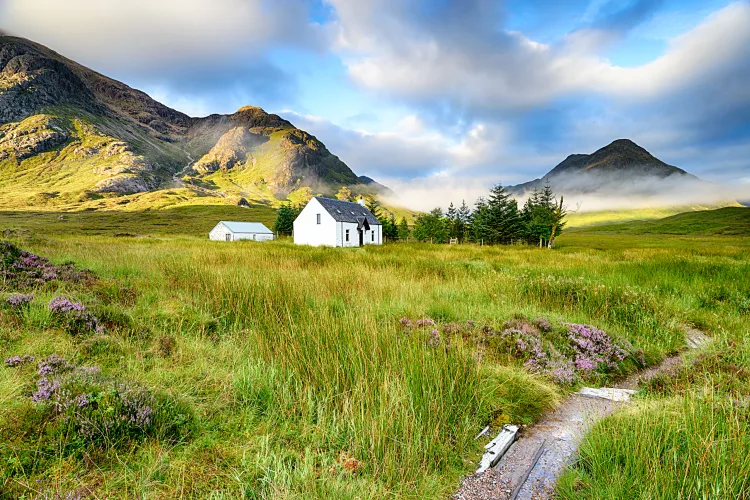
147	33
488	68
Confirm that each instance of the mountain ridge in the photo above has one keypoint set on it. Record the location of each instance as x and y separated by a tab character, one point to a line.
621	160
71	136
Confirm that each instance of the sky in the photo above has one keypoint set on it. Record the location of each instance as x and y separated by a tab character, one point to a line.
447	96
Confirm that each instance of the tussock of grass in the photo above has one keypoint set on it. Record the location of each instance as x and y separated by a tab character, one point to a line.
695	446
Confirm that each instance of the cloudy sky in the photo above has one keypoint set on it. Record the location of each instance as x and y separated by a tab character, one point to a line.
439	93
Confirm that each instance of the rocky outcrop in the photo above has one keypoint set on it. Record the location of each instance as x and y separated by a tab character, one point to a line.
31	137
231	150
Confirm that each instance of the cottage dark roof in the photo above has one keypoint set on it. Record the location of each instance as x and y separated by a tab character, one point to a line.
346	211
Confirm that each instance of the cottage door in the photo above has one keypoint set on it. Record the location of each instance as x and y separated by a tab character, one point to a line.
361	237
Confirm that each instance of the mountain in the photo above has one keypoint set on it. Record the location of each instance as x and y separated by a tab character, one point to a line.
620	166
73	138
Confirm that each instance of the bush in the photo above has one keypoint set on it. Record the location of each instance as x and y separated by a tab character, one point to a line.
23	270
76	407
74	317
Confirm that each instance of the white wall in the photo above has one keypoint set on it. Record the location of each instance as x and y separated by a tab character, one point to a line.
308	232
330	232
219	233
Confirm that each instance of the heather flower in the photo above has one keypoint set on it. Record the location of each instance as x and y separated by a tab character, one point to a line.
75	316
19	300
451	328
594	347
425	322
53	365
543	324
434	338
406	322
23	270
61	305
45	389
18	360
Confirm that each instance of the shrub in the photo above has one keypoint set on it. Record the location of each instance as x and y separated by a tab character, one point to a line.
23	270
83	407
14	361
74	316
19	300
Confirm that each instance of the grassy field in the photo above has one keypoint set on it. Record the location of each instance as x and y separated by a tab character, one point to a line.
723	221
275	371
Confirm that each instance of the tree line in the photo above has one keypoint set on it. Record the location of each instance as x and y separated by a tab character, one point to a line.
493	220
497	220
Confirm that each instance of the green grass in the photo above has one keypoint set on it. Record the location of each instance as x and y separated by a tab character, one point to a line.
291	357
731	221
606	217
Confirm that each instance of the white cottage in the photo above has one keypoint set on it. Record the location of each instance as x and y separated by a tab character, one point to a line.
233	231
337	223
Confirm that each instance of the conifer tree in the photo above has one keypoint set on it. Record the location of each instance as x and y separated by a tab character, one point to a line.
403	229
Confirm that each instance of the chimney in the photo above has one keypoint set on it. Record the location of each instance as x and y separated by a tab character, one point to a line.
361	201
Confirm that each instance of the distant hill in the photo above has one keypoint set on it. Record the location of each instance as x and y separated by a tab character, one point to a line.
73	138
619	166
728	221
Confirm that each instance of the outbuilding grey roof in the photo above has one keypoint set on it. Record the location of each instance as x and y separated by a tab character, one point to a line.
346	211
246	227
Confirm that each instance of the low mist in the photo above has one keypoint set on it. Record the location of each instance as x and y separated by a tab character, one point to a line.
584	193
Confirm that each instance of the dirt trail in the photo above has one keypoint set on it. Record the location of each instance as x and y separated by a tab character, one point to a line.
558	434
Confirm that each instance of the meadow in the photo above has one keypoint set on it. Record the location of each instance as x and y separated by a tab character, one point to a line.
267	370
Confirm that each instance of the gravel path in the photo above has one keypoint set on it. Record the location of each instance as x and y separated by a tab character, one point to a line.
559	432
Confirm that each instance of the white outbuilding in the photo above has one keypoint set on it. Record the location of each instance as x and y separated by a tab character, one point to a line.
337	223
233	231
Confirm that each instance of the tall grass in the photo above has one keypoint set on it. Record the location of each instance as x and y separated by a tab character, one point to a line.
292	357
691	447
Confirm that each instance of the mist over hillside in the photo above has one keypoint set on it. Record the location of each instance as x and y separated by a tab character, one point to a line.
621	175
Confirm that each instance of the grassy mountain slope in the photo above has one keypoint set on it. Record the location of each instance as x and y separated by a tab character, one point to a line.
730	221
73	138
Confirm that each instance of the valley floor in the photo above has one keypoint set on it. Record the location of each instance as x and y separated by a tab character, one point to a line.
276	371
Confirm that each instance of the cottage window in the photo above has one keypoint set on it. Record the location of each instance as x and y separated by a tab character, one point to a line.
229	237
347	235
318	218
372	235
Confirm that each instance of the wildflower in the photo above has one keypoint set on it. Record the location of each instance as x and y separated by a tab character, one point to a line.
434	338
406	322
18	360
22	269
61	305
54	364
75	316
45	389
543	324
425	322
19	299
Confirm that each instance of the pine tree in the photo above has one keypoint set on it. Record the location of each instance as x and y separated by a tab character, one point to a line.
504	221
285	216
480	222
463	220
452	216
373	206
390	230
403	229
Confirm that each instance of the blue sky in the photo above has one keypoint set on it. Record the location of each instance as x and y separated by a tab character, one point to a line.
437	93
